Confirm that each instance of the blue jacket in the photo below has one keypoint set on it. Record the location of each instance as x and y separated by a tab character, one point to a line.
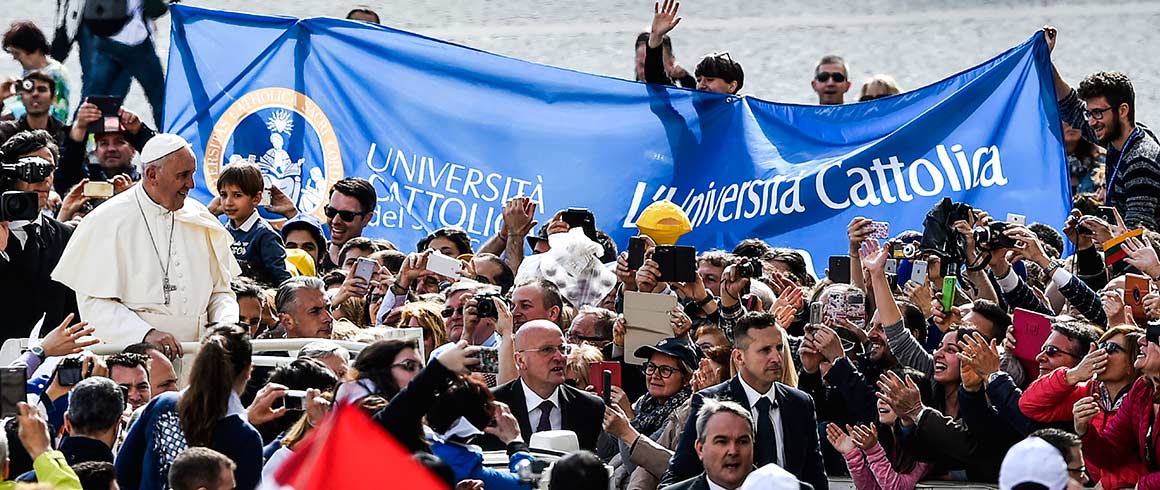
468	464
259	250
156	439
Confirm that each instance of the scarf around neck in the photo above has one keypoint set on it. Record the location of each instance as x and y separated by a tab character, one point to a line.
651	413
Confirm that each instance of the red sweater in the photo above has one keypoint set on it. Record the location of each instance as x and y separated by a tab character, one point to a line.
1121	443
1051	398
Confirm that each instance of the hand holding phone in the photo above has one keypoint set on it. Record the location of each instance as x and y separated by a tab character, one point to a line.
364	268
444	265
839	269
110	107
98	190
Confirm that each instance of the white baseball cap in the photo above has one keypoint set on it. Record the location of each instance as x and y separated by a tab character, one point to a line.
1033	460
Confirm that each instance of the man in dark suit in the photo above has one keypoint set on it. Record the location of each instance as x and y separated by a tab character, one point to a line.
34	247
724	433
786	426
539	399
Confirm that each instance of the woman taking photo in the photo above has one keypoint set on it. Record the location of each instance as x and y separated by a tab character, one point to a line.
383	368
209	413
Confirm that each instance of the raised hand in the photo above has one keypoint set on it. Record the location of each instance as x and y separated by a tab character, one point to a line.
920	295
73	201
827	342
1152	305
262	410
617	424
1113	304
857	232
507	427
841	441
874	256
647	278
679	321
865	436
784	316
981	356
1050	34
1142	256
705	376
64	339
459	358
281	204
902	395
1093	364
624	274
87	113
791	297
664	21
1082	413
1077	234
519	217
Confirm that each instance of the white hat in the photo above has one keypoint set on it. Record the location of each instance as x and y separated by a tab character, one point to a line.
770	477
1033	460
161	145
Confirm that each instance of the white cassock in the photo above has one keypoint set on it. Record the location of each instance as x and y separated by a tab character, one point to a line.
118	274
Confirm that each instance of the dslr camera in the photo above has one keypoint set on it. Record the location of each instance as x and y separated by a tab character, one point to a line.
991	237
750	268
485	305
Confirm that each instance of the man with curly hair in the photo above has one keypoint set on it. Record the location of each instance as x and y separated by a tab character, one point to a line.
1104	109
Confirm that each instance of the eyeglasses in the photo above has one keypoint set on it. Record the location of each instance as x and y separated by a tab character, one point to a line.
665	372
482	278
1051	351
410	365
866	98
548	350
1112	347
724	55
825	76
347	216
1095	113
450	312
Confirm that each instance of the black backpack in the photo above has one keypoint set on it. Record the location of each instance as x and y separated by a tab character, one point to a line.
106	17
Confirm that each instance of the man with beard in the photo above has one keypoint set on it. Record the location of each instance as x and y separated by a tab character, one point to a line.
785	425
1104	109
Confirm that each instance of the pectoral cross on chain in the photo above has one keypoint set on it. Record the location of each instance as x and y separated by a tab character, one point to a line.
168	288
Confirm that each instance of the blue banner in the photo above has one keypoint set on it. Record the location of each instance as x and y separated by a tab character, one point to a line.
447	133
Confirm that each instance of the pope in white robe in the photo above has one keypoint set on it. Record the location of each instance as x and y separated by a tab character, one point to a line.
129	248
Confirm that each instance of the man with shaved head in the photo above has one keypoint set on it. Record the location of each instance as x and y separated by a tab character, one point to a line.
539	398
165	262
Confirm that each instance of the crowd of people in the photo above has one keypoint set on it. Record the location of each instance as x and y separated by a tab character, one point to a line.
971	350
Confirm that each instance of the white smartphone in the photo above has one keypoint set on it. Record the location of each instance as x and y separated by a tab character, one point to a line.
891	266
918	272
364	268
1016	219
444	265
265	198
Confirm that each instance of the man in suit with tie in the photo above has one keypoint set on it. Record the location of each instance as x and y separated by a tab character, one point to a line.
27	291
786	426
539	399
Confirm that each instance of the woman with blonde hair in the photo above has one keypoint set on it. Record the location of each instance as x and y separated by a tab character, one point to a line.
428	317
879	86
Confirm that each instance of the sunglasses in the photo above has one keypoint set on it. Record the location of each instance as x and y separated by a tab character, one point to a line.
1051	351
825	76
450	312
347	216
410	365
866	98
1111	347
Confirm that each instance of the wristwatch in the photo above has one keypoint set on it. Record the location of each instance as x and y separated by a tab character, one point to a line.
1055	265
38	351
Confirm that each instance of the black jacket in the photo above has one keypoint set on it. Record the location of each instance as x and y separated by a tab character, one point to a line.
700	482
803	456
580	412
27	290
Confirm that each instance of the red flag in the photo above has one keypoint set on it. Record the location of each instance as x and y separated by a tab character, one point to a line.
350	451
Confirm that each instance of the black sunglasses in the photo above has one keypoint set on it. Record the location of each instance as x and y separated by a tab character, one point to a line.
347	216
1051	351
1112	347
825	76
410	365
